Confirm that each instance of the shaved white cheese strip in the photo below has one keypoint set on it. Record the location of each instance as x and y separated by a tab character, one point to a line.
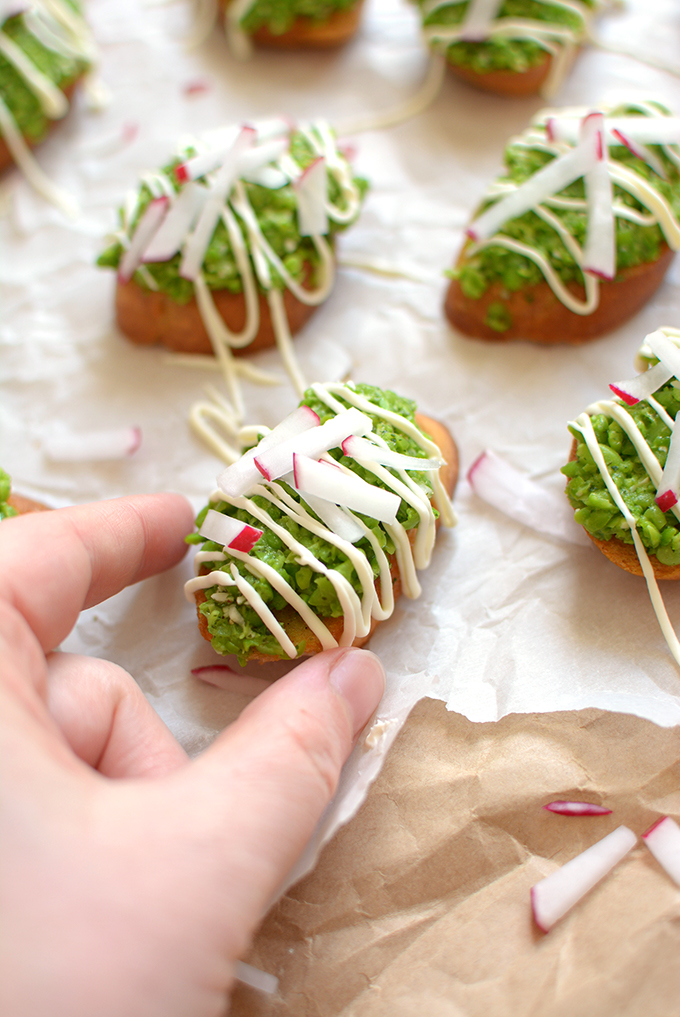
147	227
51	98
476	23
93	446
523	499
275	462
663	840
643	385
553	177
311	189
557	894
238	478
647	130
361	448
177	223
326	481
228	531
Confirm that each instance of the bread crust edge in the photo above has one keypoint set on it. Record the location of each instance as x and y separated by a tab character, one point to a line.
538	316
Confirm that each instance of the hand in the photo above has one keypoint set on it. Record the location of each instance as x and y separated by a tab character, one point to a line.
136	895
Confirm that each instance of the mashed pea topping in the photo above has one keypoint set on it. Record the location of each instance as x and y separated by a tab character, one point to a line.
276	213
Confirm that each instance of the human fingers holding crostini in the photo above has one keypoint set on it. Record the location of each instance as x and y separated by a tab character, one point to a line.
138	894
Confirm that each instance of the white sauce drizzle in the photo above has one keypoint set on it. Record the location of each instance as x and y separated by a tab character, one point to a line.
357	610
255	260
623	176
654	471
59	28
560	41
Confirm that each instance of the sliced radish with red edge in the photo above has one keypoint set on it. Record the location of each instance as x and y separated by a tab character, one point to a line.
663	840
93	446
229	532
326	481
275	462
311	188
557	894
147	226
577	809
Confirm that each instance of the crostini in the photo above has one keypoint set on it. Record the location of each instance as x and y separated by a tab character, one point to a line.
313	534
578	233
229	247
290	24
509	47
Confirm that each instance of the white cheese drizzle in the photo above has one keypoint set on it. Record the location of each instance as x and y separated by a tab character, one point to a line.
63	30
255	261
358	611
616	411
482	22
659	210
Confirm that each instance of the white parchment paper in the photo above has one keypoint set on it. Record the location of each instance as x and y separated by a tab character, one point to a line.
509	621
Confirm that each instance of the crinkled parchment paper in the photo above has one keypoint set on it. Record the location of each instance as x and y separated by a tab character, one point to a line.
509	622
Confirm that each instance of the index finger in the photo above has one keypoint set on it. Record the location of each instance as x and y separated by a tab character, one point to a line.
54	564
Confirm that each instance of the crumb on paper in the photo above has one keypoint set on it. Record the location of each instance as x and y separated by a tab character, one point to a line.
377	732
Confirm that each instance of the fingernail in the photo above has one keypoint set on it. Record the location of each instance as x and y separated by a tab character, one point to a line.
359	677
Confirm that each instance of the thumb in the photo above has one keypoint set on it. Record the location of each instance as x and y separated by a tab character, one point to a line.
276	768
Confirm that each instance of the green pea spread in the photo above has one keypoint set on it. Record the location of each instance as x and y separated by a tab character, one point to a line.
276	212
278	15
240	637
595	509
5	489
636	244
17	95
503	54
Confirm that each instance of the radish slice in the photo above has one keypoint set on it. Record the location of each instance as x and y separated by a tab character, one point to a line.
229	532
642	152
94	446
197	243
663	840
261	155
334	517
360	448
669	485
238	478
475	26
326	481
557	894
643	386
177	223
224	677
599	252
274	462
661	130
255	978
196	87
550	180
311	188
147	226
205	162
665	351
577	809
524	500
